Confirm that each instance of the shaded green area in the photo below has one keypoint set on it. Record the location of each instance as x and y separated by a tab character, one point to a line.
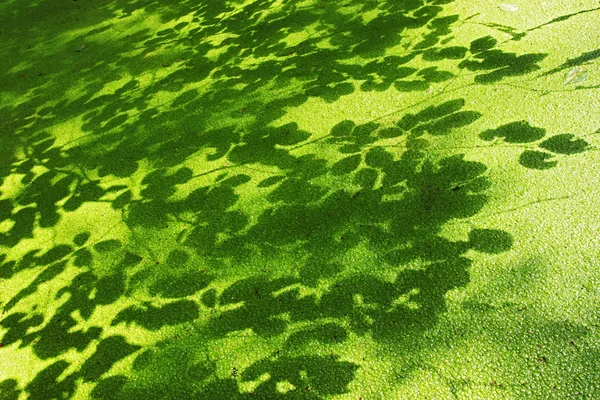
237	224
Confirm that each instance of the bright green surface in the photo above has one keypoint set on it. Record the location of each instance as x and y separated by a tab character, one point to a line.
299	199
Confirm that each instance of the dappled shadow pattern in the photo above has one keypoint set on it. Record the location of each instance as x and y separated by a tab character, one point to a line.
548	150
176	130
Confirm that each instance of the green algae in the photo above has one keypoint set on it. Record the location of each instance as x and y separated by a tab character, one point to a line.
299	199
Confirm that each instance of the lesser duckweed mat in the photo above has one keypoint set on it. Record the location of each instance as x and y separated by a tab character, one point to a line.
329	199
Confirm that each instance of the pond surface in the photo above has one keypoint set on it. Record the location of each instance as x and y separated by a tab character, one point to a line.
299	199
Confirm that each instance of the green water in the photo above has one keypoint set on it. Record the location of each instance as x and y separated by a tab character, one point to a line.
299	199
